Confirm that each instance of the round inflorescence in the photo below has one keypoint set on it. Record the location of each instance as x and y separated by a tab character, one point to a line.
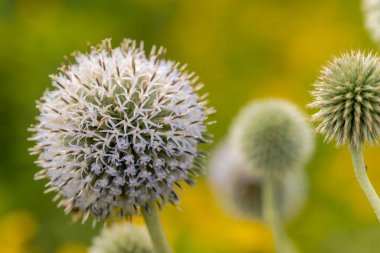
122	238
371	9
272	136
347	95
239	189
119	131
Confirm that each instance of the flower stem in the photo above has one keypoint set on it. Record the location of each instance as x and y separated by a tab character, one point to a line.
362	177
273	217
156	232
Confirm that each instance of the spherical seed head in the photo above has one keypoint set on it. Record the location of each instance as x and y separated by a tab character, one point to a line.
371	9
272	136
347	96
239	189
122	238
119	131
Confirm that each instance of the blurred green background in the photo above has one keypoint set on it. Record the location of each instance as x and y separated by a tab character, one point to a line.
242	50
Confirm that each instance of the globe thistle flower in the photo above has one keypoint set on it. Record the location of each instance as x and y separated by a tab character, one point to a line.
274	139
272	135
120	130
239	189
371	10
122	238
347	98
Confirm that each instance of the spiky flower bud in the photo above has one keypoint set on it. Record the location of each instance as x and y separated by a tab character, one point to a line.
119	130
371	9
122	238
239	189
272	136
347	95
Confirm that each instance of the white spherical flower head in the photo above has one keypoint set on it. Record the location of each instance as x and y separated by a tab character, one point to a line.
239	189
272	136
122	238
347	96
119	131
371	9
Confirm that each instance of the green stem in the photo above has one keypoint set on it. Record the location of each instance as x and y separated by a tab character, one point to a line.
362	177
273	217
156	232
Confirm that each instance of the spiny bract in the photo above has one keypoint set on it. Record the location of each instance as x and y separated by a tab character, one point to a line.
119	131
239	189
272	136
347	95
122	238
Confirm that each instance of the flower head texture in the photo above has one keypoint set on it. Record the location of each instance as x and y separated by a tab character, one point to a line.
272	136
120	130
347	98
122	238
371	9
239	189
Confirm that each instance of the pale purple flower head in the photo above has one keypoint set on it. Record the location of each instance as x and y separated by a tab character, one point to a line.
119	130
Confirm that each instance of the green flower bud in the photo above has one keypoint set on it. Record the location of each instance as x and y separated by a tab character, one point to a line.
122	238
347	97
272	136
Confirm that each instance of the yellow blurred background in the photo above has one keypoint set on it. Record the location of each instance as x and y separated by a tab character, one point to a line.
242	50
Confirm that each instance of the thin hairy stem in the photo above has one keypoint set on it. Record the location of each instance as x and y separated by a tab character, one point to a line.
273	217
156	232
362	177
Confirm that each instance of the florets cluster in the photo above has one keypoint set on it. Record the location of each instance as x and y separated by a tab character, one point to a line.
122	238
272	136
120	130
347	97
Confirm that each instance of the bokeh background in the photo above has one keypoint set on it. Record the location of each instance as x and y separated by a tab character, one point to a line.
243	50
